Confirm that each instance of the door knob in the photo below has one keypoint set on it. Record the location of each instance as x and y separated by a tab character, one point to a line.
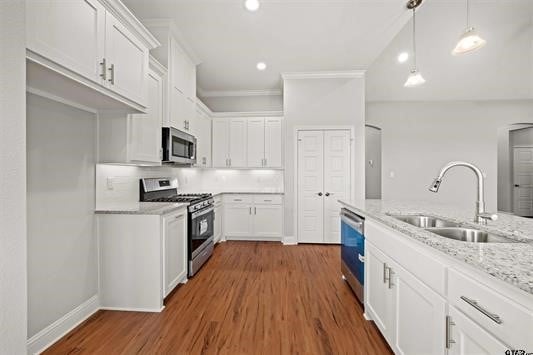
327	194
516	185
320	194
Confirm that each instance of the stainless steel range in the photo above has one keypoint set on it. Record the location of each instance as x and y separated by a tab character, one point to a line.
201	216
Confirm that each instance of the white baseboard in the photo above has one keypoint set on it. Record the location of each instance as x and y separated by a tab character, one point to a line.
129	309
289	240
55	331
366	316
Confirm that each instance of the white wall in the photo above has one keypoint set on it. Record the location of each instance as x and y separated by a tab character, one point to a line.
124	182
420	137
244	103
13	178
325	102
62	253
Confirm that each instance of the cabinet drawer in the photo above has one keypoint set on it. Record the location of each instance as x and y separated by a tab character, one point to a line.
238	199
501	316
268	199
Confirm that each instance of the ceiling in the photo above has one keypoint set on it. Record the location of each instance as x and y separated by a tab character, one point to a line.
502	70
289	35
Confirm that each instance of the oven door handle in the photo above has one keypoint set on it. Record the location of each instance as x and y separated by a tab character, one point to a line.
202	212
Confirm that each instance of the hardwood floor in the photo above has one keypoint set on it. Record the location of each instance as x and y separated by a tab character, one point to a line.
250	298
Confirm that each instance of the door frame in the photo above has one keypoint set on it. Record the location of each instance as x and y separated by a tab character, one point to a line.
297	129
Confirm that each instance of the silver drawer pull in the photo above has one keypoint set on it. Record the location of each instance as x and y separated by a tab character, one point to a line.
237	199
494	317
361	258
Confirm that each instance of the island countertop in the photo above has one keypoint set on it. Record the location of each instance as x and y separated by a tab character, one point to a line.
509	262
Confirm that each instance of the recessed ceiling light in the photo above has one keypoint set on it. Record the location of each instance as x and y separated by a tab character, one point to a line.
402	57
251	5
261	66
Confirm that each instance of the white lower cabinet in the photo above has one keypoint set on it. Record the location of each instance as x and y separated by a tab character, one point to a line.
408	313
175	236
253	217
141	259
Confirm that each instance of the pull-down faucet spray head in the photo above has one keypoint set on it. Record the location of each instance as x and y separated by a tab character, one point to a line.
434	187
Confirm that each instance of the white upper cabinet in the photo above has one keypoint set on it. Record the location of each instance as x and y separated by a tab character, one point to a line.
254	142
127	61
98	45
202	132
70	33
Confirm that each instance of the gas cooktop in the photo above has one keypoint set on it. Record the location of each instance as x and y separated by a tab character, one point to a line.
184	198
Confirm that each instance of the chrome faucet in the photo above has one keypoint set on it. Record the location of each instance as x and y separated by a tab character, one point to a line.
481	215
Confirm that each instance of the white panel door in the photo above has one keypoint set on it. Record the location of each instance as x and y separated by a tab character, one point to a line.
238	221
419	315
221	139
379	301
273	142
175	250
267	221
469	338
237	143
145	130
70	33
310	187
256	142
523	181
336	180
127	61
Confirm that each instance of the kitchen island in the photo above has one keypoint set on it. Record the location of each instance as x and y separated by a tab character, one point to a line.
431	294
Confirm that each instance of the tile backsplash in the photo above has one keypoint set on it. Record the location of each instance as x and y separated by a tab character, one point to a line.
117	186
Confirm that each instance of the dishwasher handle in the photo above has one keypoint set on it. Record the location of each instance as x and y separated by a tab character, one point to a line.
353	221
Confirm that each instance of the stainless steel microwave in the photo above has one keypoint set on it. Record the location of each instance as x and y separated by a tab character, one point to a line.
178	146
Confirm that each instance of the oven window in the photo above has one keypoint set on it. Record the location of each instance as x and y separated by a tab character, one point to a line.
181	148
202	228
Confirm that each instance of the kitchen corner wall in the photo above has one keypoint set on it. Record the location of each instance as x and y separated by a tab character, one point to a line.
117	186
418	138
326	101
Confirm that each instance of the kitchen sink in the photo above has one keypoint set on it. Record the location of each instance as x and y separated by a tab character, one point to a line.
470	235
425	221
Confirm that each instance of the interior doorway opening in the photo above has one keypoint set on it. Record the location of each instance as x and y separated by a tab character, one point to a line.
373	162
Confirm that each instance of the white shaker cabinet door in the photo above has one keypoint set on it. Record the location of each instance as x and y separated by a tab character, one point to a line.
238	221
220	141
127	62
175	270
70	33
273	143
467	338
268	221
256	142
237	143
145	136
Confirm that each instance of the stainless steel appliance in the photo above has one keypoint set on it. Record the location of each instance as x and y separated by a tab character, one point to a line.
178	147
201	216
353	251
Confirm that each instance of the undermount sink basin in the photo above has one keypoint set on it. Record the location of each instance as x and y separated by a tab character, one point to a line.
470	235
425	221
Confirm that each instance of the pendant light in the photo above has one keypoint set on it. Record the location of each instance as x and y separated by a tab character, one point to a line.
415	78
469	41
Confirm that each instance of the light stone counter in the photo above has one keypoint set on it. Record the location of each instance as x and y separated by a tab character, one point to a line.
145	208
510	262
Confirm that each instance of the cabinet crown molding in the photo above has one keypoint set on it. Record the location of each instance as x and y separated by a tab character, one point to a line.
117	8
350	74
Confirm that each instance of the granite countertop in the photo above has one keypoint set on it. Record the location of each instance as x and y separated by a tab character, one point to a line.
144	208
244	192
509	262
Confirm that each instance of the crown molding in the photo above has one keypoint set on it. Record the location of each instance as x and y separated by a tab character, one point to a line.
170	25
238	93
247	114
120	11
203	107
350	74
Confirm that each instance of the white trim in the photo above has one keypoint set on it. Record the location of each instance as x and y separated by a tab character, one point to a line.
239	93
350	74
522	146
349	128
156	66
126	309
59	99
127	18
366	316
248	114
203	107
55	331
170	25
290	240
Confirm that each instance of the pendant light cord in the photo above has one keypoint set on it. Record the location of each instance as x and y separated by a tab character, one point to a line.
414	38
467	14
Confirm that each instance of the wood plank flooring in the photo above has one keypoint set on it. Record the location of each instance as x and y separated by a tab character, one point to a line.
250	298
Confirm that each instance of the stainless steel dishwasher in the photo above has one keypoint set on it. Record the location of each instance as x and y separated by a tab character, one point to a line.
353	251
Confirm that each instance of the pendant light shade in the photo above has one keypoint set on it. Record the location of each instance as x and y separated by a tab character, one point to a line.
470	40
415	78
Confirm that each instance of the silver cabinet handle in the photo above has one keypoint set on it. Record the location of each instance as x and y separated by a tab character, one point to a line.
229	161
493	316
327	194
237	199
103	75
185	124
390	278
385	267
255	210
250	212
449	340
112	71
266	162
